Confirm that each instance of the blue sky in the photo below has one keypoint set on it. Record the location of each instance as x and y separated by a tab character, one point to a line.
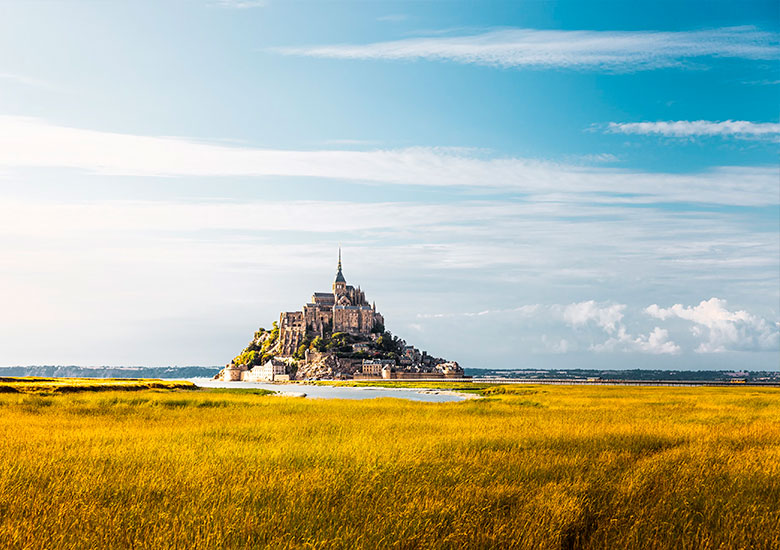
516	184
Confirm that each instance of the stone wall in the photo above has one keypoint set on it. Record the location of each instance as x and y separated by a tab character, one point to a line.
292	330
231	373
353	319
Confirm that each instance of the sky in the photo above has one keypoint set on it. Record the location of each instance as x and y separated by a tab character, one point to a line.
517	185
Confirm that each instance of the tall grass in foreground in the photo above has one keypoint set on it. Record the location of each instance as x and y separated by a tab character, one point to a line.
530	467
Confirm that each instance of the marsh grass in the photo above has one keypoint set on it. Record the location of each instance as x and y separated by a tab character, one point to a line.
531	467
37	385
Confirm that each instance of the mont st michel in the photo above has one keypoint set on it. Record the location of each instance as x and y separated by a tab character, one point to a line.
575	202
337	335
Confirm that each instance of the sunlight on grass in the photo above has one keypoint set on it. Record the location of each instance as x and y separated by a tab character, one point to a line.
30	384
528	467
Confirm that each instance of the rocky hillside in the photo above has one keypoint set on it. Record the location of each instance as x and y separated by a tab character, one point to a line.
335	355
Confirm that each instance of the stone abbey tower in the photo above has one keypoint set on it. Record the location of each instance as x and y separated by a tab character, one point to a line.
344	309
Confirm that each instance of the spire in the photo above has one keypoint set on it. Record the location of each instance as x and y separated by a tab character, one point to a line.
340	276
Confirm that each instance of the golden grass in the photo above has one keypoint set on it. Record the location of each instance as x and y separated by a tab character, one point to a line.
37	385
533	467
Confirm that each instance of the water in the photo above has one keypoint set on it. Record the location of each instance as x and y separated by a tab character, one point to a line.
332	392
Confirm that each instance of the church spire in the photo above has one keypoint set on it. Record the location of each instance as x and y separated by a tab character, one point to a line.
340	276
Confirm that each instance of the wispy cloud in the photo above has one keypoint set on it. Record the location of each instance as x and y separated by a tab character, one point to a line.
598	158
347	141
617	51
241	4
26	142
25	80
695	128
149	258
562	244
762	82
393	17
526	311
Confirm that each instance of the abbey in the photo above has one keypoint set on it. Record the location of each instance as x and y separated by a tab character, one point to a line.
337	335
344	309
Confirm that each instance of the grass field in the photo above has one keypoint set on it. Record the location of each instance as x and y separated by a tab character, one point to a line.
44	386
526	467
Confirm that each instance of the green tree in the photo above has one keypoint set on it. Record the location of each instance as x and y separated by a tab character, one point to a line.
274	334
319	344
300	353
250	358
342	338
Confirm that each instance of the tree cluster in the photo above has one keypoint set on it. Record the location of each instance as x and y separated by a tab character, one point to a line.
260	349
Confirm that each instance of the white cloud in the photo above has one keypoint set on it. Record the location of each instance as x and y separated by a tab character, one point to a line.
618	51
347	141
26	142
694	128
609	318
606	316
598	158
657	342
723	330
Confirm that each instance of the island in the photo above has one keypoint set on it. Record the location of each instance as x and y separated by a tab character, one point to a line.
338	335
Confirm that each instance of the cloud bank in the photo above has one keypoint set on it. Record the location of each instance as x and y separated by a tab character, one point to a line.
716	329
722	329
150	258
614	51
607	317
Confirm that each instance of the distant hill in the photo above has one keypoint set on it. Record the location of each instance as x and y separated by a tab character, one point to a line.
633	374
58	371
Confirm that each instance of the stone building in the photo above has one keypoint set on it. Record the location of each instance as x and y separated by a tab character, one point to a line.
374	367
272	370
344	309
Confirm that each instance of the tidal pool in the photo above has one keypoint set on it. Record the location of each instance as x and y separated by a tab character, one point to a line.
332	392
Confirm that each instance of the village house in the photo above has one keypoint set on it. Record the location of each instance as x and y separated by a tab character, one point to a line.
373	367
